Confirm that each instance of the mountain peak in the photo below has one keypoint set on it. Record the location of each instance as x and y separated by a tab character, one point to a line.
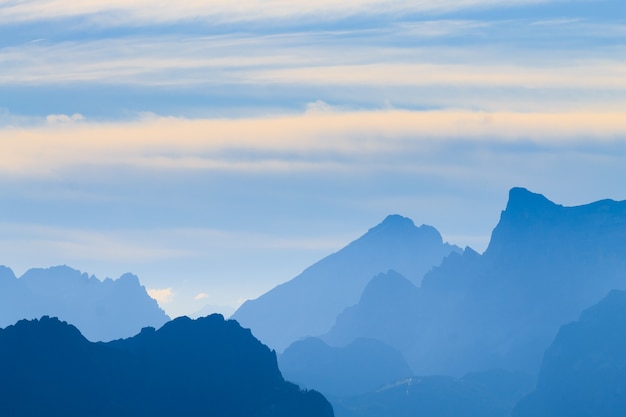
396	220
520	199
397	225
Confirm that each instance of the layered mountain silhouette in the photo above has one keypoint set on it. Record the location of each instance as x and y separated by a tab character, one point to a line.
584	371
362	366
204	367
309	304
545	263
102	310
384	313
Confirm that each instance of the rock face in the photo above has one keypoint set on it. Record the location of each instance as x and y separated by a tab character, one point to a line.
308	304
102	310
188	367
584	371
362	366
544	265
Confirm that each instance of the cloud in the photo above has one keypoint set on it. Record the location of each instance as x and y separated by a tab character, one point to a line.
51	244
163	296
64	118
318	106
306	142
299	60
201	296
118	12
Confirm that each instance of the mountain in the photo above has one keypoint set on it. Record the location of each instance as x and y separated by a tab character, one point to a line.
308	304
545	263
384	312
102	310
188	367
362	366
484	394
583	373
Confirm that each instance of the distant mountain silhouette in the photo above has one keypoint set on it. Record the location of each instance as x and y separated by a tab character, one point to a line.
204	367
583	372
362	366
102	310
385	312
484	394
308	304
545	264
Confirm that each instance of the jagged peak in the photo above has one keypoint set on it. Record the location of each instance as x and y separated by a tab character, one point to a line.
47	324
397	224
54	271
129	279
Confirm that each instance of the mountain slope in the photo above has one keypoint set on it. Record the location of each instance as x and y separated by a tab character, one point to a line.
188	367
385	312
308	304
584	371
362	366
102	310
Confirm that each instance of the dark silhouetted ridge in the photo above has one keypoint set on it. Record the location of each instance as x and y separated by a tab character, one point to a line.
204	367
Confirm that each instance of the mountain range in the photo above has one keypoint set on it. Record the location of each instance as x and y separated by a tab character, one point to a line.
102	310
308	304
405	324
545	263
489	315
203	367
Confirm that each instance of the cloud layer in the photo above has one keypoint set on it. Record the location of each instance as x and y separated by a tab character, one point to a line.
318	140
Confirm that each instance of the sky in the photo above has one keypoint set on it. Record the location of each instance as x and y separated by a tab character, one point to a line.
218	148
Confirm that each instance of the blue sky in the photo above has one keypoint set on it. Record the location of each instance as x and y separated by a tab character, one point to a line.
218	148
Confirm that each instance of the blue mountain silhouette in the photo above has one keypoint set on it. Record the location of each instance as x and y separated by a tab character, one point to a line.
583	373
308	304
102	310
362	366
545	263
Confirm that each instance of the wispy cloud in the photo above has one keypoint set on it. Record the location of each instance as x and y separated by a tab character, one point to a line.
298	60
311	141
143	11
46	243
201	296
